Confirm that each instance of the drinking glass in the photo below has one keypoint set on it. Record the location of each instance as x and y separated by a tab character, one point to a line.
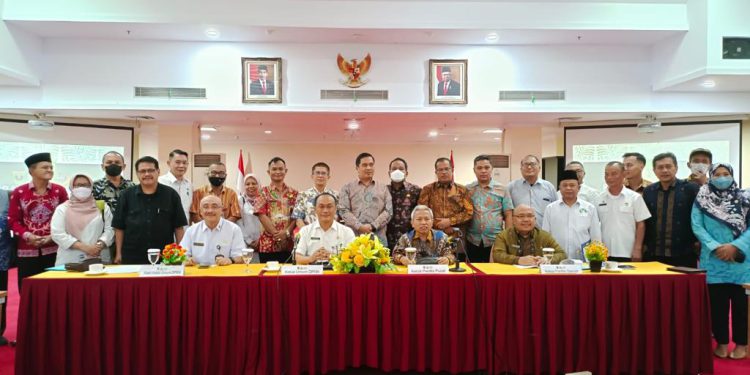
411	254
548	254
153	256
247	257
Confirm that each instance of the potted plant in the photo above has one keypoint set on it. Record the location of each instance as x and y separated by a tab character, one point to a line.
596	252
364	254
173	255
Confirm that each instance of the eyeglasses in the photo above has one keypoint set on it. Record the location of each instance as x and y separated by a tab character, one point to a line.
530	164
217	174
147	171
321	173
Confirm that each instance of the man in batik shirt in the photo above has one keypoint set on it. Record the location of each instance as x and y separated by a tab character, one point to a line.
492	205
274	209
405	196
304	209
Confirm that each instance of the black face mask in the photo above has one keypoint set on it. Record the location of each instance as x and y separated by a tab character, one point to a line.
113	170
216	181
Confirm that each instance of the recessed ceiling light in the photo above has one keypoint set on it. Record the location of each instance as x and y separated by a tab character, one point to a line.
492	131
267	132
433	133
455	139
497	138
492	37
205	137
352	125
212	32
208	129
708	83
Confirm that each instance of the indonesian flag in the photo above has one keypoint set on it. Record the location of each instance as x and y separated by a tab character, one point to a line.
452	167
240	175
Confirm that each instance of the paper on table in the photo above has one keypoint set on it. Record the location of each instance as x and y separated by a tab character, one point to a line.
524	267
122	269
56	268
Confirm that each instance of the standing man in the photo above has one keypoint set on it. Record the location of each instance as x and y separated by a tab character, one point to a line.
274	209
571	221
324	237
29	215
449	201
262	86
492	205
109	187
447	86
365	204
217	174
304	209
532	190
405	197
634	163
699	163
586	193
176	179
622	213
669	232
149	216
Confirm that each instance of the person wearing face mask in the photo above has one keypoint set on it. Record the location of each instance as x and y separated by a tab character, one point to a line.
719	220
405	196
80	228
112	184
699	162
217	174
304	209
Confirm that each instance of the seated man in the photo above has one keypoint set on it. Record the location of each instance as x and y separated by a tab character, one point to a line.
523	243
325	236
214	240
428	242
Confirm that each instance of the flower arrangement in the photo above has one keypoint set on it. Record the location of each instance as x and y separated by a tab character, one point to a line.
173	254
596	251
365	252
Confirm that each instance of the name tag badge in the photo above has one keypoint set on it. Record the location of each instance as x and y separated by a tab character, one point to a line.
198	244
315	238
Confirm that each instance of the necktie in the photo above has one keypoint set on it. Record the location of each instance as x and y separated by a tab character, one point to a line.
445	88
263	87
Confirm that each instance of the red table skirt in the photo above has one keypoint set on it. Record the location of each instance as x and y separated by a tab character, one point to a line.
294	324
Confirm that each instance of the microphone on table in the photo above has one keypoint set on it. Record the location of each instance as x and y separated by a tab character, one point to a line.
456	245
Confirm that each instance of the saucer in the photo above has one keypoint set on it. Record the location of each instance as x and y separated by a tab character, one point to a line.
614	270
271	269
95	273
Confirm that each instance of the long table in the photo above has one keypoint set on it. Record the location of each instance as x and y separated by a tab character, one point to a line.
497	319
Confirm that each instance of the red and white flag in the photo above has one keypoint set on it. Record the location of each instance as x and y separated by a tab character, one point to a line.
240	175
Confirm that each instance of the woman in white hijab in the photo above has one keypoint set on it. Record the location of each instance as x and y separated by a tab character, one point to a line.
80	227
249	223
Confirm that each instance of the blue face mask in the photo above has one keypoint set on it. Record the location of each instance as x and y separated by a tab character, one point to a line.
723	182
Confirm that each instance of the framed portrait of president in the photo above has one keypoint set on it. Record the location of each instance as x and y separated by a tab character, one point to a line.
261	79
448	80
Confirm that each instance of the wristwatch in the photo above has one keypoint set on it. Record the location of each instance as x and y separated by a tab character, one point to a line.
216	258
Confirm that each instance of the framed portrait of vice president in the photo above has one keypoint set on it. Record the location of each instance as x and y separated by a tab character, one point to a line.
448	81
261	80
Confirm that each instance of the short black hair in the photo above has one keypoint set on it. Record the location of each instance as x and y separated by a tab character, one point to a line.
702	151
319	164
335	200
276	159
480	158
637	155
664	155
362	156
147	159
177	151
442	158
575	162
406	166
263	67
113	152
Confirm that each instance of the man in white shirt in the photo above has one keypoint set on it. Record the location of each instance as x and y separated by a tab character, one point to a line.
213	240
317	241
175	178
622	213
571	221
586	193
532	190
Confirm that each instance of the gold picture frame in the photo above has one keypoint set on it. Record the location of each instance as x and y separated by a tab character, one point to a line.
448	81
261	80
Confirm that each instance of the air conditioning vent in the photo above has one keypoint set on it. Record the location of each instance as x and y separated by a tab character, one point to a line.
170	92
531	95
204	160
499	161
354	94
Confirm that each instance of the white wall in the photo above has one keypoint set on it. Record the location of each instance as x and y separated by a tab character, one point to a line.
727	18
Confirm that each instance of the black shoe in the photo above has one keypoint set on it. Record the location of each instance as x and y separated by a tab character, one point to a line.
3	341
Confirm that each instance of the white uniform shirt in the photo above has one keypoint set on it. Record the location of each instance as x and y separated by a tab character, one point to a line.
312	237
184	188
586	193
100	229
618	215
572	227
204	244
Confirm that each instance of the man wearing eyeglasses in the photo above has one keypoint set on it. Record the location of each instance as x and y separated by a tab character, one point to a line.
522	243
149	216
217	174
532	190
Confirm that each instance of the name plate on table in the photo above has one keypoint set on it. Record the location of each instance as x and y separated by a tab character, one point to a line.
302	270
421	269
162	271
560	269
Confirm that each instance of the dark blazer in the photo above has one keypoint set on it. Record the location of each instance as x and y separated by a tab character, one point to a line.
255	88
454	88
677	227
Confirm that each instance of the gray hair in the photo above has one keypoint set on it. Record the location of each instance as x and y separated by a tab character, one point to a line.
421	207
615	164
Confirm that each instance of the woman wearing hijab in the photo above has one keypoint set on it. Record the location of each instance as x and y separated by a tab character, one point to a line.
249	223
719	219
80	227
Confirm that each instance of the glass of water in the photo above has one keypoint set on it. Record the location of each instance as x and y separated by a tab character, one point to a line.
411	254
247	257
153	256
548	253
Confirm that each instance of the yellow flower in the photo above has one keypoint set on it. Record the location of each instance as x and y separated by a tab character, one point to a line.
346	256
359	260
